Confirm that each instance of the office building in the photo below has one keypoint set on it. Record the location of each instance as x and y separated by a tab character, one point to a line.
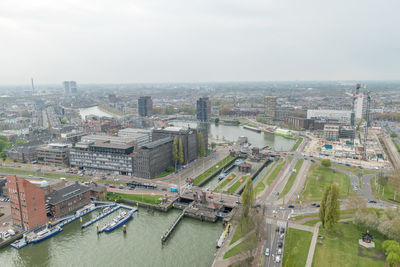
153	158
145	105
53	155
203	109
104	153
330	116
270	107
142	136
27	203
188	137
67	200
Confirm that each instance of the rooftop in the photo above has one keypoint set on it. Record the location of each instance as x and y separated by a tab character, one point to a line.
66	193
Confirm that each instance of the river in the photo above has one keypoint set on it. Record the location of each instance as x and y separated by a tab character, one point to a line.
232	133
191	244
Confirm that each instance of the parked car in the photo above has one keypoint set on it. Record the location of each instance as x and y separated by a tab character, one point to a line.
277	229
291	206
280	244
111	186
318	205
372	201
210	197
279	251
282	230
278	259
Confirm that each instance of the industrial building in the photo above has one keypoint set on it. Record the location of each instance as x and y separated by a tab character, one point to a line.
145	106
27	203
270	107
142	136
203	109
53	155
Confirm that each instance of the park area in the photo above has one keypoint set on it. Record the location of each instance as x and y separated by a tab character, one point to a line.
319	177
297	244
339	247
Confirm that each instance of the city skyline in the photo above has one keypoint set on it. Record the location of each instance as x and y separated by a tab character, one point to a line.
153	42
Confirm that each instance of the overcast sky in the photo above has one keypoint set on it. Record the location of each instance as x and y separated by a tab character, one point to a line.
122	41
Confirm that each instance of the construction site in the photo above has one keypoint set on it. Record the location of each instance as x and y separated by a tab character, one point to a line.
357	144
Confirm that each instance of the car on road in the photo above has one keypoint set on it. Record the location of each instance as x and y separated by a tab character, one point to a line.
279	252
317	206
372	201
282	236
277	229
278	259
121	187
238	202
111	186
222	201
267	252
280	244
291	206
312	160
132	188
210	197
314	204
164	189
282	230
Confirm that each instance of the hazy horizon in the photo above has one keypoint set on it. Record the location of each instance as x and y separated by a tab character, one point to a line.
135	42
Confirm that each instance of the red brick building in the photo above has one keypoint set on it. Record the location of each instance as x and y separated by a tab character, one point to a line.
27	203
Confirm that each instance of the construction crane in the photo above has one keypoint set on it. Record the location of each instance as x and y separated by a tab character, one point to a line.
367	124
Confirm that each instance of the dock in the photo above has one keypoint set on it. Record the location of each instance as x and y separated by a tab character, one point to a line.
101	215
171	229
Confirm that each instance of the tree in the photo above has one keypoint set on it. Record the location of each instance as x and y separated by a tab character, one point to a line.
392	249
64	120
248	198
326	163
180	153
216	120
332	212
393	135
175	151
3	156
322	208
200	143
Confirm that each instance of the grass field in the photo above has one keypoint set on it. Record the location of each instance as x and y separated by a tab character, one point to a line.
354	170
149	199
225	182
340	248
237	184
296	145
276	171
212	170
319	177
259	188
388	192
291	179
246	245
297	244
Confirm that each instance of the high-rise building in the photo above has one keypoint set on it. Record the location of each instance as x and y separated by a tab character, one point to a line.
360	106
70	87
28	208
270	106
203	109
145	106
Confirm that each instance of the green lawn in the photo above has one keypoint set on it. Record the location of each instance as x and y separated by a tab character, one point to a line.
165	173
291	179
225	182
388	192
313	222
239	233
319	177
237	184
276	171
396	145
149	199
212	170
297	244
340	248
259	188
296	145
246	245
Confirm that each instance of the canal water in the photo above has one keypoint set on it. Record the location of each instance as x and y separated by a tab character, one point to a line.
232	133
191	244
